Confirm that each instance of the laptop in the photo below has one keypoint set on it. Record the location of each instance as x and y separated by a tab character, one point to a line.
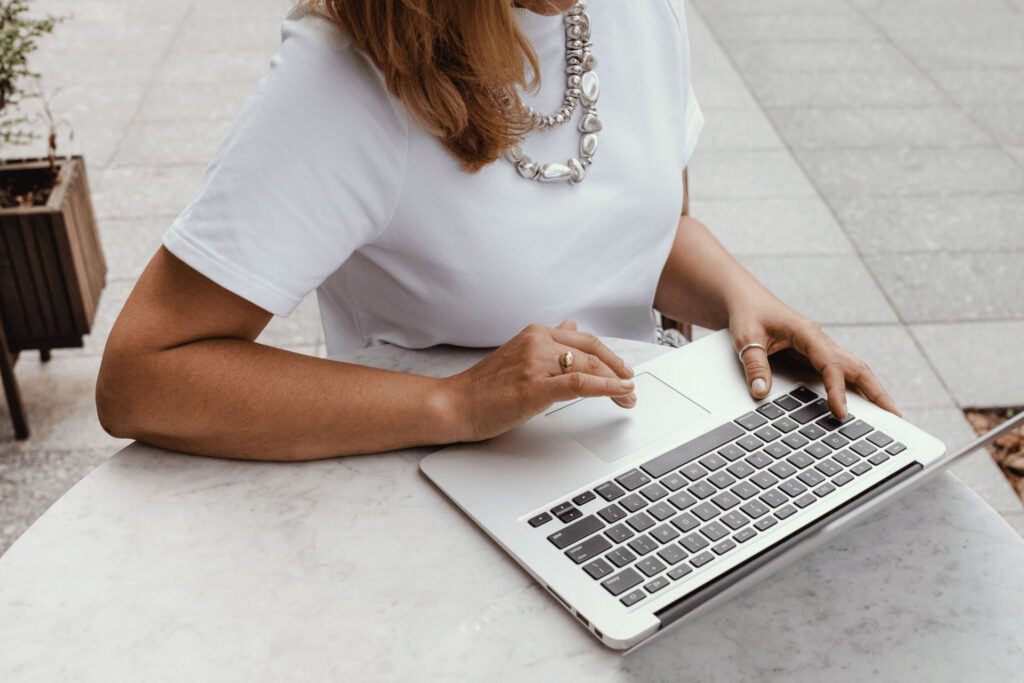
636	520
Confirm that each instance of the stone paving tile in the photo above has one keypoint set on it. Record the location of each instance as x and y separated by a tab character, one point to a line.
982	363
111	302
894	225
874	127
144	191
200	35
189	103
723	89
103	10
759	174
789	57
943	286
710	8
901	25
828	289
876	7
910	171
1005	121
302	327
761	227
903	85
896	361
1018	154
737	129
846	27
129	244
167	143
979	88
96	69
940	53
238	66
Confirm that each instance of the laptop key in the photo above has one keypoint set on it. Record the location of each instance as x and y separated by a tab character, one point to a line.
771	411
660	511
895	448
800	460
588	549
814	409
714	531
744	535
751	421
824	490
860	468
765	523
584	498
702	559
612	513
682	500
818	450
654	491
764	480
633	479
774	498
767	434
685	522
632	597
856	429
805	500
745	490
633	502
777	450
713	462
732	452
734	520
672	553
656	585
844	478
803	394
705	511
793	487
785	511
828	467
569	515
787	403
835	441
622	582
754	509
609	491
864	448
640	521
542	518
722	479
795	441
785	425
650	566
812	432
724	547
830	422
642	545
693	449
749	443
693	471
694	542
845	458
702	490
810	477
673	482
740	469
679	572
725	500
665	533
560	508
576	532
878	458
782	469
620	557
598	568
618	533
758	460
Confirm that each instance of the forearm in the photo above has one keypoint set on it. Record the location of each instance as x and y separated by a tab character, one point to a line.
701	282
236	398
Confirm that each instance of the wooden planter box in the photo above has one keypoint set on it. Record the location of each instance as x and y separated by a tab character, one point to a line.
51	269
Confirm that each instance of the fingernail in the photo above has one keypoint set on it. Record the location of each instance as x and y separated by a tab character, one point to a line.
629	369
758	386
626	385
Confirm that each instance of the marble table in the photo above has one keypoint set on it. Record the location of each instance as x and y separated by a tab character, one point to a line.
167	567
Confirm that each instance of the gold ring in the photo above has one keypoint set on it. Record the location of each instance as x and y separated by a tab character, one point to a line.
565	361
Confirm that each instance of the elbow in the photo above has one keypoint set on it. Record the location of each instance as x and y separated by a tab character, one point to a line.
115	405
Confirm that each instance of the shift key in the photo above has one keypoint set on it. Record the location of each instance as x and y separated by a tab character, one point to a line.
576	531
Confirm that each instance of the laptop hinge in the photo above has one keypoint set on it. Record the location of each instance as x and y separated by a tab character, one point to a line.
691	601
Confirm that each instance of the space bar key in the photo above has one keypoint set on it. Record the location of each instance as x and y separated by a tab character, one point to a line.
680	455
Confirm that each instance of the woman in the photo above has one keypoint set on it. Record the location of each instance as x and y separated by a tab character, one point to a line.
387	161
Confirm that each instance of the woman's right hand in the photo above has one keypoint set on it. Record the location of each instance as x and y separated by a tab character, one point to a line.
523	377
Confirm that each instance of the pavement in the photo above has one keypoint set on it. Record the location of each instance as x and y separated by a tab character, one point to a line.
865	159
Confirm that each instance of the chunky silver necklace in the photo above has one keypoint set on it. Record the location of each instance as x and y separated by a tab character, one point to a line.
581	85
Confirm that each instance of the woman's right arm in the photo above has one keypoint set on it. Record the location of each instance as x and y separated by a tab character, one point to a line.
182	370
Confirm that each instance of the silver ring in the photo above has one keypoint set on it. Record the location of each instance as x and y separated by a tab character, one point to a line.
740	353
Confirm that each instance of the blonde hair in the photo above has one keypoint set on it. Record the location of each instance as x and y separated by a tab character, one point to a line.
455	64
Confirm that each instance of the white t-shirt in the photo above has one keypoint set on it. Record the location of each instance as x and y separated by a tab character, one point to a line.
324	182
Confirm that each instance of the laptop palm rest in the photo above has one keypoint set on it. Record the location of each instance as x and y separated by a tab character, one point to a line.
611	432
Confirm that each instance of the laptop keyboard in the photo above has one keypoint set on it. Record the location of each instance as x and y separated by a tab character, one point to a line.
696	503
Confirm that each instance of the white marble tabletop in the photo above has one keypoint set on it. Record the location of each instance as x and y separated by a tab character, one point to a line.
167	567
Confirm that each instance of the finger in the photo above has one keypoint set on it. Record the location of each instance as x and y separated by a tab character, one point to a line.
567	324
591	344
758	371
834	376
578	384
592	365
870	387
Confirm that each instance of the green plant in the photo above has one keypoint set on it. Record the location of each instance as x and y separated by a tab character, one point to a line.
18	34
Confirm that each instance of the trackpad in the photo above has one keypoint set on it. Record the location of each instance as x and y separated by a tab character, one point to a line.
612	432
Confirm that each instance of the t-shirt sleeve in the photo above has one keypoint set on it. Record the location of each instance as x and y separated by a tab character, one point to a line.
693	116
309	172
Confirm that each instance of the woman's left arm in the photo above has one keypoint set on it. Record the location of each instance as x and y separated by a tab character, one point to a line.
703	284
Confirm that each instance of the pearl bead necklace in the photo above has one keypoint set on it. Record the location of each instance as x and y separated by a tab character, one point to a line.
581	86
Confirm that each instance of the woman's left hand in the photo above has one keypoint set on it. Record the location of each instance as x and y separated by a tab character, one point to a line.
776	326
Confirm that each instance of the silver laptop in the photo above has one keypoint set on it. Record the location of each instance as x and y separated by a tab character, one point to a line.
635	520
